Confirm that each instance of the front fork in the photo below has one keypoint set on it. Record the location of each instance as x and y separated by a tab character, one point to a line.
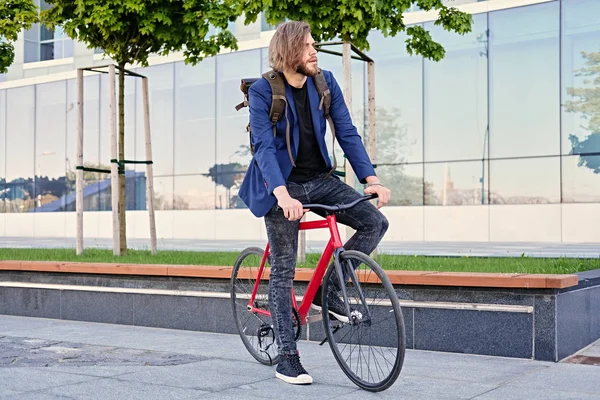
342	283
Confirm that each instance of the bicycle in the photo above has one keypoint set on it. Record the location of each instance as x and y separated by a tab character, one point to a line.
359	289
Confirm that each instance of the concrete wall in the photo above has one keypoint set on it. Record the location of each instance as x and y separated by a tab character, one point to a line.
520	223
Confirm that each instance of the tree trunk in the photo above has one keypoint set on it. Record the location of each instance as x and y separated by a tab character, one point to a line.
122	203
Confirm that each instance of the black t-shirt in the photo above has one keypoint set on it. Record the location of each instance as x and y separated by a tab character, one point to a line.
309	162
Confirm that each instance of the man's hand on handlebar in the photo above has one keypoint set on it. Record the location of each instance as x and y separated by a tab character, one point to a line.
292	208
381	191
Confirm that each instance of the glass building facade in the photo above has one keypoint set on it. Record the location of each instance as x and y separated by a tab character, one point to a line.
509	116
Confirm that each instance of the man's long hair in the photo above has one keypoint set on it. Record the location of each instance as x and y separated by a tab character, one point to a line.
287	45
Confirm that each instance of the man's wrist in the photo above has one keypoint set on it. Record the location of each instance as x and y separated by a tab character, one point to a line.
372	180
280	192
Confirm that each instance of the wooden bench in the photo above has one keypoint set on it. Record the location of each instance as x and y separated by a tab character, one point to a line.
397	277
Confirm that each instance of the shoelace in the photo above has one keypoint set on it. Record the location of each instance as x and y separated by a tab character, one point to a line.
295	364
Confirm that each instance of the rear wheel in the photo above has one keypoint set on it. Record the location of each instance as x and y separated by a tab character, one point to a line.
255	328
370	346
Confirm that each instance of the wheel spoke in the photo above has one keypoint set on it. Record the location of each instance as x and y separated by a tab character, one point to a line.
245	274
362	343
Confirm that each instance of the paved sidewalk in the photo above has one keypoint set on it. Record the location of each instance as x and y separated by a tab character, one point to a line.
54	359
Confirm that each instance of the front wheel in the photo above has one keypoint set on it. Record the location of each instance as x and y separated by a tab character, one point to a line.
370	345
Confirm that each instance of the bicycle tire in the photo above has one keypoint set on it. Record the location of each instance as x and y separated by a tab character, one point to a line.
397	321
261	356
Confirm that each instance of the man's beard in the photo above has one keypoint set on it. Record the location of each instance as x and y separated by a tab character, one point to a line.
307	71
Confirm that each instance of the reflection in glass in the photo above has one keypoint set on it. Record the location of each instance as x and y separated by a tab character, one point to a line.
581	179
32	52
264	59
32	34
334	64
93	198
160	88
163	193
233	150
580	76
194	192
399	100
456	183
97	193
456	95
2	150
525	181
91	144
232	138
524	75
51	181
405	181
3	192
228	179
194	117
91	123
20	125
130	121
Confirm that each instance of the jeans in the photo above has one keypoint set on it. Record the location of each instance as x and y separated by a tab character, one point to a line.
370	225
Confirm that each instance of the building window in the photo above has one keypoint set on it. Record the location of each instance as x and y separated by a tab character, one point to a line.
54	44
43	44
524	81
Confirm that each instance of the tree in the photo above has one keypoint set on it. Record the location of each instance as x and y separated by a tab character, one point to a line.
129	31
587	102
15	15
352	20
406	190
587	98
227	175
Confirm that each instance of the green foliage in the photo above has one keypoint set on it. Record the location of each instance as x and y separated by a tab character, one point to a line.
587	99
130	30
352	20
15	15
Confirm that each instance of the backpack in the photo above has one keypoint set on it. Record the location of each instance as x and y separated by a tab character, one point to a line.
279	106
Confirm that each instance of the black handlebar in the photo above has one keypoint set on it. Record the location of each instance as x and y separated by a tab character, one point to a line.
340	207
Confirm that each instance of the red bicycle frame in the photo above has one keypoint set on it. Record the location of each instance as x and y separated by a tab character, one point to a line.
335	242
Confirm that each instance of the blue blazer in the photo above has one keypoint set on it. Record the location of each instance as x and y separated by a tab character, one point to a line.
270	167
